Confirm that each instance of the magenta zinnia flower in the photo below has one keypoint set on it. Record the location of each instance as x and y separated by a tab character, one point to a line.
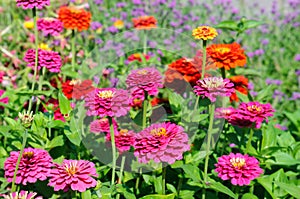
239	169
164	142
49	59
21	195
124	139
35	165
224	112
3	100
50	26
212	87
102	125
30	4
75	174
107	102
145	79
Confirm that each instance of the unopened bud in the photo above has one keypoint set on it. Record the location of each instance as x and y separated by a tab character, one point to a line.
26	118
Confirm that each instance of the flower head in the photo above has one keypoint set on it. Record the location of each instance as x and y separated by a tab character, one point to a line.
5	99
145	79
137	57
28	24
212	87
124	139
102	125
119	24
240	84
227	56
144	22
239	169
205	33
73	18
50	26
73	174
21	195
26	118
107	102
163	142
77	88
35	165
30	4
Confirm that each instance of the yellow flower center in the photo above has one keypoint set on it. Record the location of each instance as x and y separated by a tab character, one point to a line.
119	24
75	82
28	154
75	11
214	83
123	131
71	169
106	94
159	132
143	72
44	46
254	108
223	50
238	162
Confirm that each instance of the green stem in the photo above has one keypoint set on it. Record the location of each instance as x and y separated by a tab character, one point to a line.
203	59
209	136
121	173
164	171
41	79
145	43
179	186
137	183
249	141
34	13
73	39
196	104
145	108
13	186
223	73
114	154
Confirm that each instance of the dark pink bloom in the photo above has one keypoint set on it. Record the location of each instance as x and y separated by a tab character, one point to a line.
50	26
212	87
21	195
30	4
49	59
136	99
5	99
239	169
35	165
163	142
107	102
102	125
145	79
224	112
2	73
124	139
73	174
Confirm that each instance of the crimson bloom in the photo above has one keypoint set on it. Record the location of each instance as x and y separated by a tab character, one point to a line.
35	165
30	4
239	169
77	89
240	84
73	174
137	57
162	142
102	125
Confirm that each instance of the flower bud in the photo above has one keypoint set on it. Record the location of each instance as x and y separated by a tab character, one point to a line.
26	118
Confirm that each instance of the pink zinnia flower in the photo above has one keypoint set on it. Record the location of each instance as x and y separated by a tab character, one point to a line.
163	142
3	100
30	4
145	79
107	102
50	26
75	174
124	139
224	112
21	195
35	165
239	169
212	87
136	99
102	125
49	59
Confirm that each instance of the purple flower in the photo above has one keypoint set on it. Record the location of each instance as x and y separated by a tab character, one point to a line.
265	41
95	25
112	29
295	96
297	57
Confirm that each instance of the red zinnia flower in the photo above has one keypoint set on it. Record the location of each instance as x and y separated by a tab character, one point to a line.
144	22
240	84
77	89
137	57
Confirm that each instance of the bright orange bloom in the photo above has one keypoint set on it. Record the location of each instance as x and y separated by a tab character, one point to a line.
240	84
205	33
74	18
119	24
144	22
227	55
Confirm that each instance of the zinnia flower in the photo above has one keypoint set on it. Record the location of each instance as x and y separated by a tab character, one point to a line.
30	4
74	18
77	89
28	24
35	165
21	195
240	83
205	33
107	102
102	125
50	26
73	174
239	169
144	22
163	142
49	59
137	57
119	24
5	99
227	56
145	79
212	87
124	139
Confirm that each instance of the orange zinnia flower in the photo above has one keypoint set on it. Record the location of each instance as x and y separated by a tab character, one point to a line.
144	22
227	55
74	18
240	84
205	33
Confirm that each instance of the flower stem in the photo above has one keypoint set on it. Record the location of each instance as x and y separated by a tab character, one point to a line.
145	108
209	136
223	73
137	183
41	79
121	173
73	39
203	58
13	186
145	43
164	171
249	141
114	154
36	38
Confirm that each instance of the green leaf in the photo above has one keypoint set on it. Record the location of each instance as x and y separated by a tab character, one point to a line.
171	188
55	142
68	71
285	159
251	24
266	182
64	103
192	172
217	186
242	97
73	134
263	94
157	196
290	188
227	24
86	195
249	196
